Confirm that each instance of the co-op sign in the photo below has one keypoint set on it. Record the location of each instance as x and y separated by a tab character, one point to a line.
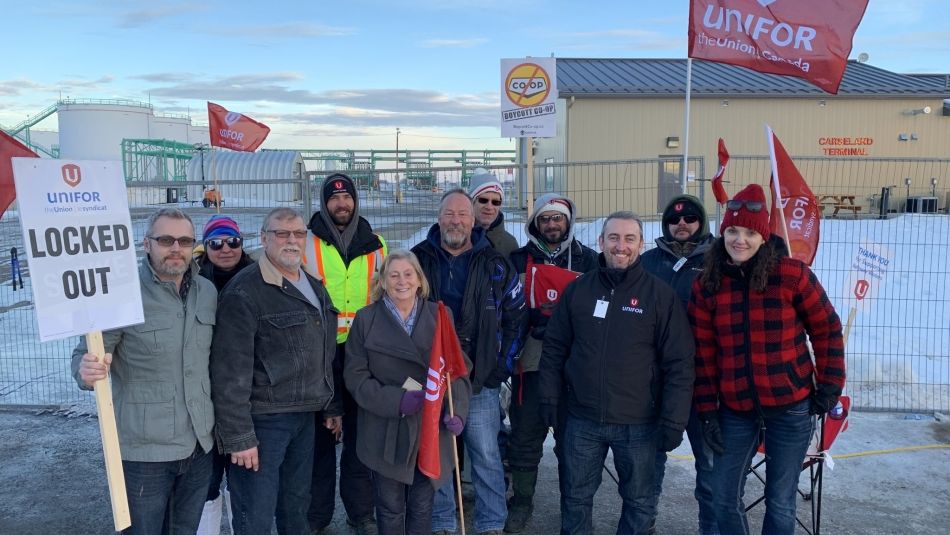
528	95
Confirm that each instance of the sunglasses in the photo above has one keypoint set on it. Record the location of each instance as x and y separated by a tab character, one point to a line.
486	200
168	241
216	244
752	206
689	219
284	234
553	218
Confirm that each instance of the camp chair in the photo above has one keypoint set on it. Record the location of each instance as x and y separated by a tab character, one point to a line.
827	430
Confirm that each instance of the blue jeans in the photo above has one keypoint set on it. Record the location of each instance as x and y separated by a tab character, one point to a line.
786	437
167	497
585	449
488	476
704	481
281	486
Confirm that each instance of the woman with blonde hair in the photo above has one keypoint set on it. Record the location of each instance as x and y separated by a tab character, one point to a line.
387	363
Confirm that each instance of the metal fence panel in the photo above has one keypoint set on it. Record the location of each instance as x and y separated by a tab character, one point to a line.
899	346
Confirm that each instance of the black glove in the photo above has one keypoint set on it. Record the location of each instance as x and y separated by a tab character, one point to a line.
712	434
548	413
821	402
669	438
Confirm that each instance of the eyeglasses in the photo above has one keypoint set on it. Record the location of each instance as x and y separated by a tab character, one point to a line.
486	200
752	206
689	219
284	234
168	241
216	244
553	218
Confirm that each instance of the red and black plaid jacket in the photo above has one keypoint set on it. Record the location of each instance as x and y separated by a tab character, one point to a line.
750	346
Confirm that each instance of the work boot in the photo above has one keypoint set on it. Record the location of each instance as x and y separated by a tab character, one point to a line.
522	503
364	525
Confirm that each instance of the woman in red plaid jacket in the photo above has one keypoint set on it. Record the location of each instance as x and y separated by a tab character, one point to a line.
752	311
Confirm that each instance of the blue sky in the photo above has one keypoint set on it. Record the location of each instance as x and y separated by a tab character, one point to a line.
346	75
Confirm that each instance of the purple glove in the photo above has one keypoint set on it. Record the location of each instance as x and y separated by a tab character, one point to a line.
411	402
454	424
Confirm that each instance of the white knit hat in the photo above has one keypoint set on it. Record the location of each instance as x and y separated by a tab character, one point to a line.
556	205
483	180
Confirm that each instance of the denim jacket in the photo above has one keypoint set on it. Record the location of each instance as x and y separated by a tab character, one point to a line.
272	353
160	385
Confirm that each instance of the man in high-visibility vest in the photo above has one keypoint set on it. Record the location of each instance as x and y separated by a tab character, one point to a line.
343	252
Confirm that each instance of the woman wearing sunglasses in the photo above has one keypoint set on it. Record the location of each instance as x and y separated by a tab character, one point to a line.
752	311
223	257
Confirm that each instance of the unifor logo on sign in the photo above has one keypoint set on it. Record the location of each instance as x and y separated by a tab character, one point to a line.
72	175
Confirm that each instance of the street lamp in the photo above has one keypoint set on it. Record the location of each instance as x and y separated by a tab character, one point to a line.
398	189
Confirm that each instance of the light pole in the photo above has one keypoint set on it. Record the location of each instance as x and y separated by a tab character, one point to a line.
398	189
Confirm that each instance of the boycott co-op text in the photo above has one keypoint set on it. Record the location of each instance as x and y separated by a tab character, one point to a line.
81	240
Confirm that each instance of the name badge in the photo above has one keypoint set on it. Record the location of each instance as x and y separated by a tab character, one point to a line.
600	309
679	263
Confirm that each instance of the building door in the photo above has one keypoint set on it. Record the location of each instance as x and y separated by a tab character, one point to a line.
668	182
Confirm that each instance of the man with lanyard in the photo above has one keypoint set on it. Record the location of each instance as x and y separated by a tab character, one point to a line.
550	261
344	253
677	260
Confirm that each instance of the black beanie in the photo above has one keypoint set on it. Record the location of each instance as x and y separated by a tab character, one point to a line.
337	183
681	208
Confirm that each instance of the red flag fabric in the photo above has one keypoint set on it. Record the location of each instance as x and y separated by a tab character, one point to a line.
797	202
232	130
445	360
545	284
10	147
808	39
718	190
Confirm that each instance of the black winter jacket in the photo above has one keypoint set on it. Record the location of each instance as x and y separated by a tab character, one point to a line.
633	366
492	325
661	262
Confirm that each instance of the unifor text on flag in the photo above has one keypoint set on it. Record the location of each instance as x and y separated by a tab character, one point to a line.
799	208
808	39
235	131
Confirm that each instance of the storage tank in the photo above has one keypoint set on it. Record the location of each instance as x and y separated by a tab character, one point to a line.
172	127
263	166
199	134
91	129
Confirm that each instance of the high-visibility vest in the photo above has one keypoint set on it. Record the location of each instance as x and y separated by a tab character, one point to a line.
348	286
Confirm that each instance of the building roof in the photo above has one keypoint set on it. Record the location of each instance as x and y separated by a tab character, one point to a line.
939	80
667	77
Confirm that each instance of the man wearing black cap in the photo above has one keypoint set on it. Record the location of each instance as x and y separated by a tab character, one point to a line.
342	251
677	259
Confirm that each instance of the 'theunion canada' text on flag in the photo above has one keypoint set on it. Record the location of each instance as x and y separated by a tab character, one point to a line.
232	130
445	363
808	39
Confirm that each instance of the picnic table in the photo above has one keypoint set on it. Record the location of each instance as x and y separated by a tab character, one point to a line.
839	202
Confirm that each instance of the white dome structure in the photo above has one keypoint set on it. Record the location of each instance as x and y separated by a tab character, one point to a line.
220	166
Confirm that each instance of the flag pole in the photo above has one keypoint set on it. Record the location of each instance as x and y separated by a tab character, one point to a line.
776	186
689	83
455	456
214	180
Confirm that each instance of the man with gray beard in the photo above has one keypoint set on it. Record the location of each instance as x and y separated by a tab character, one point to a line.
159	382
271	371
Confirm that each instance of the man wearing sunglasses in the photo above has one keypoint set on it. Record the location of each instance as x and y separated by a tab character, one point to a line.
159	378
487	197
677	259
343	252
222	256
547	264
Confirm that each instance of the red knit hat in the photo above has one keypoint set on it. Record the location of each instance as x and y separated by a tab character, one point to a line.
743	217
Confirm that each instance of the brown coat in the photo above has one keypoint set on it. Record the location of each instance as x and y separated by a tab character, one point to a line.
380	355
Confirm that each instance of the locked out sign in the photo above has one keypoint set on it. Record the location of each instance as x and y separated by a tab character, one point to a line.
528	96
78	239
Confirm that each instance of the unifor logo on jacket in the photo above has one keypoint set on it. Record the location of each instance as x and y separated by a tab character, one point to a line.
348	285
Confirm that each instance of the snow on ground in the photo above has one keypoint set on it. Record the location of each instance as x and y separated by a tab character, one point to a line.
898	356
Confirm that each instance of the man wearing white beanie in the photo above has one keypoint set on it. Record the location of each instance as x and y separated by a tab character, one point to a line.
487	197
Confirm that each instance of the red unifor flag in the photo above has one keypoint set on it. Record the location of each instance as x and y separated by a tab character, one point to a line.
445	361
808	39
802	215
718	190
10	147
232	130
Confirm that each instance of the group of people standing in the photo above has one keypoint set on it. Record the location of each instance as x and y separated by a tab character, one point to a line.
252	371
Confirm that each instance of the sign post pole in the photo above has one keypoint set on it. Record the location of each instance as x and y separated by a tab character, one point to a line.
530	173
